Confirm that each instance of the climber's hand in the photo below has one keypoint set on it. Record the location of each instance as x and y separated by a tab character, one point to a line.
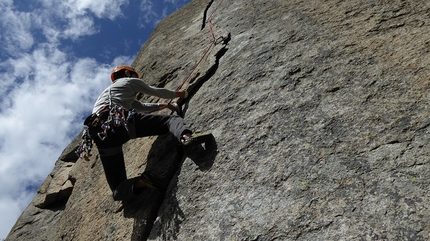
183	94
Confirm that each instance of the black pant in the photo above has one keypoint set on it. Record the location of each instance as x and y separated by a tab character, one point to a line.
110	149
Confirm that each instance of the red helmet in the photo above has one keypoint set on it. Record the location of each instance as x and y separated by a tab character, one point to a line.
119	68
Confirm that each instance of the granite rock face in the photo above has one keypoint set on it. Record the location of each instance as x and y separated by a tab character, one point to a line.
320	121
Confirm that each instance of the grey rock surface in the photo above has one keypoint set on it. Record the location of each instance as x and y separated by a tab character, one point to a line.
320	121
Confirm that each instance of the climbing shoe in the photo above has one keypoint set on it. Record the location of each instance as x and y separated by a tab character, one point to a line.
126	190
151	181
196	139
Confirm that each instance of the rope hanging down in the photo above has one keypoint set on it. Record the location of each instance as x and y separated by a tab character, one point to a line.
213	42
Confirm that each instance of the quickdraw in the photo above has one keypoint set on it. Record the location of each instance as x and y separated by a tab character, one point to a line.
84	149
116	118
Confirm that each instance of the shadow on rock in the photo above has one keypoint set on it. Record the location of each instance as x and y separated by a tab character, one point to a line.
203	155
142	209
166	226
164	161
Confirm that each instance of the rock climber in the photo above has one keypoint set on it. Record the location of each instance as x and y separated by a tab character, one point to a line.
118	117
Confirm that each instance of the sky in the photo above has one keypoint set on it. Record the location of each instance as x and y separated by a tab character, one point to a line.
55	59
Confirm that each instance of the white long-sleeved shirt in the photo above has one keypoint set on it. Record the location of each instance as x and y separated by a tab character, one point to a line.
123	92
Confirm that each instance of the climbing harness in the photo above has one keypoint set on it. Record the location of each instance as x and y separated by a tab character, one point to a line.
116	118
107	119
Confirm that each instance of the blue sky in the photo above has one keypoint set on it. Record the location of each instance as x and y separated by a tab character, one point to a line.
55	58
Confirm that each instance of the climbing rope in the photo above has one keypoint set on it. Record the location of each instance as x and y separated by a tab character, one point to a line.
213	42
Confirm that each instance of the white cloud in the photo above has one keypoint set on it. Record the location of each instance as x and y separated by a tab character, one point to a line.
15	30
101	8
78	27
174	2
56	20
151	10
149	14
8	206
